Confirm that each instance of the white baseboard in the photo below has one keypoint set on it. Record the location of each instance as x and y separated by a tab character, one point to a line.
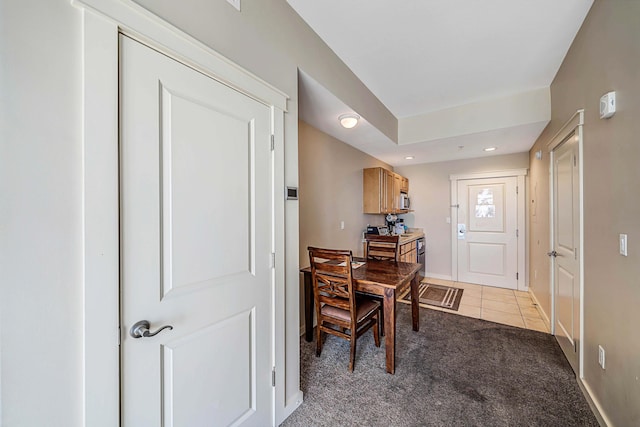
437	276
594	404
545	317
292	404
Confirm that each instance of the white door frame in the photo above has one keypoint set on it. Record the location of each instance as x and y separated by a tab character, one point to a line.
520	174
103	20
575	123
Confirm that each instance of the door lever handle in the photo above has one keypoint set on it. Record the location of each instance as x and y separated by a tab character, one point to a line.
553	254
141	329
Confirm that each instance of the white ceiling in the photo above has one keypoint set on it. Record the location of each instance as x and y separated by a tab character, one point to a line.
423	57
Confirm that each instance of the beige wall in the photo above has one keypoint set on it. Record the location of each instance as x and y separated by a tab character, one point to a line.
430	192
41	175
605	56
331	192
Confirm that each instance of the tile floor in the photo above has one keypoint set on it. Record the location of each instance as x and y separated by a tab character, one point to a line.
506	306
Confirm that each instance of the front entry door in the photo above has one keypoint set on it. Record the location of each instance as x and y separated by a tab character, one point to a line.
566	241
196	216
487	235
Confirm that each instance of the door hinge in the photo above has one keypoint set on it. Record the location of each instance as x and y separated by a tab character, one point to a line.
273	260
517	276
517	233
273	142
119	335
517	189
273	376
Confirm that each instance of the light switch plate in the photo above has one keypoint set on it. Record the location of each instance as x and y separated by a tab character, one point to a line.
623	244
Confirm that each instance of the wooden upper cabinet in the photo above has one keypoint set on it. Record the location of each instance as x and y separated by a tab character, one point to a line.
374	190
404	186
381	191
397	184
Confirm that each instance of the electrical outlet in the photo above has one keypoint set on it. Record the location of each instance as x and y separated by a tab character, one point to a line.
341	225
601	356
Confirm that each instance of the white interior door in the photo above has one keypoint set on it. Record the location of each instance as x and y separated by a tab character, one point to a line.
566	241
196	239
487	235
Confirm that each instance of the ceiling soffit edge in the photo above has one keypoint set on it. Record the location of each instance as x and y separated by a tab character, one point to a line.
499	113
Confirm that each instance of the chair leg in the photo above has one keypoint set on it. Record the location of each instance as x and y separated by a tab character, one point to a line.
318	341
381	321
352	359
376	335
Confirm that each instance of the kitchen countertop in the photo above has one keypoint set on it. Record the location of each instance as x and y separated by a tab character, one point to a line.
411	235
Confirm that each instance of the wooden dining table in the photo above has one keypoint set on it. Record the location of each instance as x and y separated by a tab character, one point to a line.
388	279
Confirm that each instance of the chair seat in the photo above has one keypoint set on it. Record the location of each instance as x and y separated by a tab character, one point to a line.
364	307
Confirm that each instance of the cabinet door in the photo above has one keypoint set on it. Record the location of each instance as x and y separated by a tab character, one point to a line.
412	255
397	184
389	206
404	188
409	252
373	190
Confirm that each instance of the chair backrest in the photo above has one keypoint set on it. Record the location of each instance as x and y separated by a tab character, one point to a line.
332	278
382	247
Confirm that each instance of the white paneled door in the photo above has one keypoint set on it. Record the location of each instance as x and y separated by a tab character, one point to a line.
566	241
196	243
487	235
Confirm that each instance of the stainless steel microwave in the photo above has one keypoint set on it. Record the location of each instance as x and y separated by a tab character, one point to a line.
405	202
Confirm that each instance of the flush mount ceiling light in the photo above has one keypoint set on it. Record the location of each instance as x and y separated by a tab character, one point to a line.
490	149
349	120
409	158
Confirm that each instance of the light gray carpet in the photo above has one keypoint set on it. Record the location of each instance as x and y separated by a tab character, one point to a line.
456	371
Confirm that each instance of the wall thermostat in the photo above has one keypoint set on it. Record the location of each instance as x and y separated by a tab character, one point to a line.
607	105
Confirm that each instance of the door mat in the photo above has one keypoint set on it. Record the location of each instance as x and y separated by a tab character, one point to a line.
436	295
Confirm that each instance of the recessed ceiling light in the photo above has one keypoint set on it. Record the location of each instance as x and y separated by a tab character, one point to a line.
349	120
409	158
490	149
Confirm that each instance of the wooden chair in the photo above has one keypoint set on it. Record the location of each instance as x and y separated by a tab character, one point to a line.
339	312
382	247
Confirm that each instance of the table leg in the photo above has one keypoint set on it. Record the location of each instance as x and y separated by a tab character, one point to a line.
415	307
308	308
389	307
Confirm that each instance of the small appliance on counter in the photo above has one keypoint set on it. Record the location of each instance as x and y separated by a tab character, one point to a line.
399	227
377	229
391	221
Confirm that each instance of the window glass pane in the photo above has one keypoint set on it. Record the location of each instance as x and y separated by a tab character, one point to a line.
485	208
